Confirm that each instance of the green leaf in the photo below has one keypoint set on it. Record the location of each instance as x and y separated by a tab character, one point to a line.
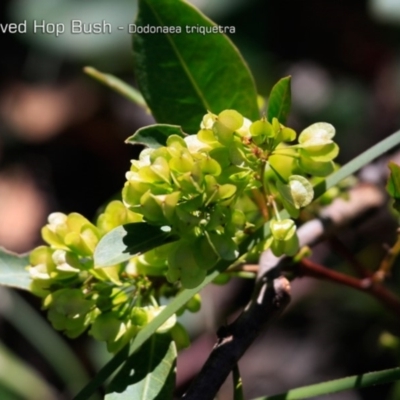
148	374
22	379
117	85
145	334
237	384
357	163
13	271
48	343
127	240
182	75
338	385
279	101
154	136
393	185
176	304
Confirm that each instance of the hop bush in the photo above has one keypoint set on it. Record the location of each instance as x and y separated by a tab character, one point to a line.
210	189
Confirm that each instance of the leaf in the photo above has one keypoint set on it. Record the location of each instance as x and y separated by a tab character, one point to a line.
357	163
117	85
237	384
184	75
338	385
176	304
393	185
22	379
279	101
127	240
154	136
13	271
48	343
148	374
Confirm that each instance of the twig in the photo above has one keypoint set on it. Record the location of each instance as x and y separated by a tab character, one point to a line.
309	268
233	340
259	199
271	298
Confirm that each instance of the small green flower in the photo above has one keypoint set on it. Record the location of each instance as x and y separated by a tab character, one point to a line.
284	236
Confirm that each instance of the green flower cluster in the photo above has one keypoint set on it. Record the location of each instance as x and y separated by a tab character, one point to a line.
114	304
199	185
210	189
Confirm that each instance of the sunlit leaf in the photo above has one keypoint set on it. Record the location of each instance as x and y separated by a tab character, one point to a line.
279	101
182	75
154	136
338	385
128	240
117	85
148	374
176	304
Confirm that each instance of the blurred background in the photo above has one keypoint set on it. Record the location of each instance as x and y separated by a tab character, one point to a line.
61	149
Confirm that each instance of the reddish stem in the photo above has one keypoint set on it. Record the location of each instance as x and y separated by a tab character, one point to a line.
309	268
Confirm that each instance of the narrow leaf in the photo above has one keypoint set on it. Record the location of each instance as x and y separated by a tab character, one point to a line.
22	379
154	136
176	304
127	240
149	374
118	86
338	385
49	344
279	101
357	163
182	75
237	384
393	185
13	271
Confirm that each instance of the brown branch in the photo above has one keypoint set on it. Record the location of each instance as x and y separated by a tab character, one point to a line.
233	340
306	267
309	268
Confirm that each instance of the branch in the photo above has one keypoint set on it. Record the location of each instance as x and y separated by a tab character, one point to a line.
309	268
271	294
272	297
